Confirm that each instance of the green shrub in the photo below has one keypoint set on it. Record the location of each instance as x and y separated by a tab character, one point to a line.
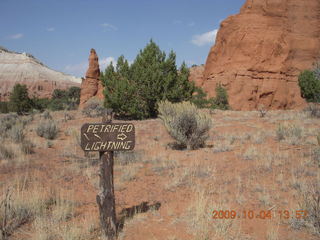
4	107
93	108
47	129
221	99
57	104
40	103
19	99
185	123
201	100
310	86
133	91
60	100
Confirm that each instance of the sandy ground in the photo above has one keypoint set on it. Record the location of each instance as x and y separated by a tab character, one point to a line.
244	168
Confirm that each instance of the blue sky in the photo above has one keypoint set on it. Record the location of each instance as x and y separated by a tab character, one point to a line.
61	33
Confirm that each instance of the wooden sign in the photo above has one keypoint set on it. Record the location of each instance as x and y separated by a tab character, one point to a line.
105	137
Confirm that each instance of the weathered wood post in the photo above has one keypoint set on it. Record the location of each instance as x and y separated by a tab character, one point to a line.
105	197
107	137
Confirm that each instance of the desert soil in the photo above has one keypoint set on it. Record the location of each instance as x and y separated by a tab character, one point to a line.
243	167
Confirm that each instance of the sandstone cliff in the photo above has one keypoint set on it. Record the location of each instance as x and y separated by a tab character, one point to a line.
25	69
259	53
196	74
91	86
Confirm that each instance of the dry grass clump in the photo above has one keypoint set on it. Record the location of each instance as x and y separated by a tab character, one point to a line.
310	202
6	152
185	123
259	137
16	133
164	166
188	175
46	227
200	217
316	156
27	147
126	158
313	110
251	153
93	108
47	129
273	231
262	110
129	173
12	133
26	202
179	179
19	205
6	122
222	146
12	127
291	133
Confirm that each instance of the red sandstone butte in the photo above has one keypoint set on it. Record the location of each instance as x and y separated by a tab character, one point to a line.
259	53
91	86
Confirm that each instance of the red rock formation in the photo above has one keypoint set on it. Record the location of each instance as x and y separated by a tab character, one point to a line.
259	53
91	86
196	74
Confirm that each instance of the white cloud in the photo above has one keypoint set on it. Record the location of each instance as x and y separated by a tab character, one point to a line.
109	26
50	29
205	38
16	36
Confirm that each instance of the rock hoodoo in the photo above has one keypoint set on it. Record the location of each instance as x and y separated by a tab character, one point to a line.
91	86
259	53
25	69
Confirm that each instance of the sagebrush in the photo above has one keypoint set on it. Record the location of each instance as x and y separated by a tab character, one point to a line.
48	129
185	123
93	108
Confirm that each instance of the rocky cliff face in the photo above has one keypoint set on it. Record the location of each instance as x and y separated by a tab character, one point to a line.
25	69
91	86
196	75
259	53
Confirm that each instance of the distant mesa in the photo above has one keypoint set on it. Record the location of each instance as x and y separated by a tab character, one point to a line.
23	68
259	53
91	86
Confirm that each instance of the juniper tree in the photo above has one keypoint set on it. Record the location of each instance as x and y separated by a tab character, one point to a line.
134	91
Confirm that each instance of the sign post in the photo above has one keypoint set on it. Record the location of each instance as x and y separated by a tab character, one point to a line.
107	137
